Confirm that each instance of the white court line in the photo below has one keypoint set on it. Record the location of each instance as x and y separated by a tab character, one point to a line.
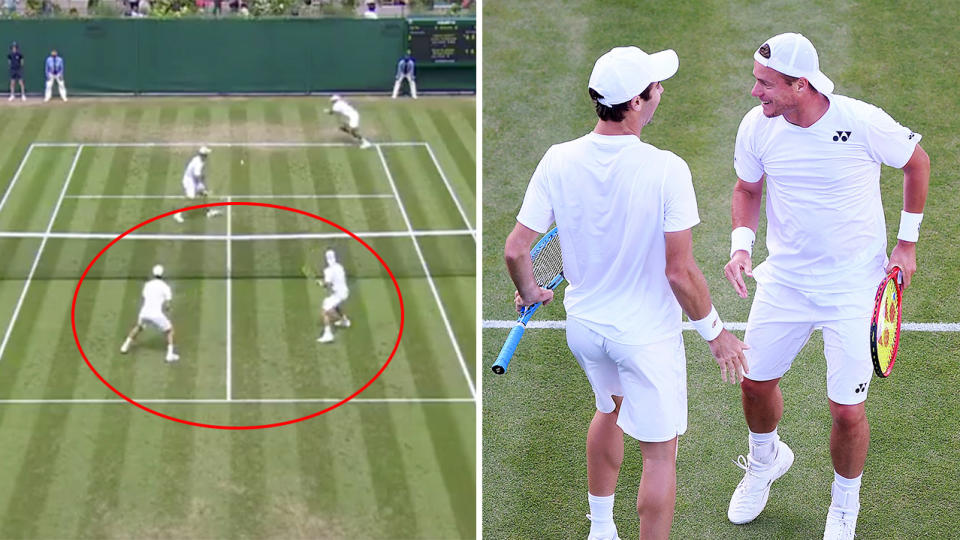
16	175
560	325
426	270
446	182
229	301
302	196
36	259
233	238
261	144
233	401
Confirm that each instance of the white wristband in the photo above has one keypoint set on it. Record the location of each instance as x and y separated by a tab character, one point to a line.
909	226
742	238
710	326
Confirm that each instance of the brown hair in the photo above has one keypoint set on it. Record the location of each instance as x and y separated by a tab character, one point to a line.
617	112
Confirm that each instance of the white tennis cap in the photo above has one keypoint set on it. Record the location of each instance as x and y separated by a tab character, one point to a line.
204	151
157	270
331	256
335	97
794	55
625	72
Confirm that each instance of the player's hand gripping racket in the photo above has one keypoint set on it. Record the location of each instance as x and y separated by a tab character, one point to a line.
308	273
548	272
885	326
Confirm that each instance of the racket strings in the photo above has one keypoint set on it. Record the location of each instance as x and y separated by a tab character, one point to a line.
548	262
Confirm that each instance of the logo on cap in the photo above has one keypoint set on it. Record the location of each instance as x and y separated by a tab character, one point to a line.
764	50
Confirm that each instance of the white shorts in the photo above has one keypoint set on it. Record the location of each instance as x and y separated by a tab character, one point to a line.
157	320
651	378
332	301
191	189
353	120
782	320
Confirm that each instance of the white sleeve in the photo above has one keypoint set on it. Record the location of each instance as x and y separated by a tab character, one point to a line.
745	159
887	141
167	293
536	211
679	199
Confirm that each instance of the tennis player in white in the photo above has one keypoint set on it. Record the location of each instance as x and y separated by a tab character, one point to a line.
350	119
194	181
624	210
156	303
819	154
335	279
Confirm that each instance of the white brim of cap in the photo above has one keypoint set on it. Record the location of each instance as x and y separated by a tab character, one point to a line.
821	82
665	65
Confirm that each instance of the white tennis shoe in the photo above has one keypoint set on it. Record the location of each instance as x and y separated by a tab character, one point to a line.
173	357
752	492
325	338
343	322
592	536
365	144
842	516
178	218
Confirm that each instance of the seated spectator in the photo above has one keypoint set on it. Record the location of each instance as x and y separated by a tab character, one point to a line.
371	12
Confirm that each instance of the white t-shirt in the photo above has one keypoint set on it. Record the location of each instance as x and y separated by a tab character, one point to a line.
155	294
342	107
194	172
337	278
825	223
613	198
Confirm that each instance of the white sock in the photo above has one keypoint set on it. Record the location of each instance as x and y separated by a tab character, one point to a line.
846	492
170	349
601	515
326	330
126	343
763	446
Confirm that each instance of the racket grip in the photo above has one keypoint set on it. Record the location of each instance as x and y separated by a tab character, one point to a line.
509	347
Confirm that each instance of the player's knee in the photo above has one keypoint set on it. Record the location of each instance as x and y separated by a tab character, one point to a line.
757	390
847	417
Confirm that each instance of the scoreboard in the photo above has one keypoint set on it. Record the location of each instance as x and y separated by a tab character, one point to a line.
443	41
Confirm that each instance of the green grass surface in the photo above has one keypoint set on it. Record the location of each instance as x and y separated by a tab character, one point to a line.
537	60
397	463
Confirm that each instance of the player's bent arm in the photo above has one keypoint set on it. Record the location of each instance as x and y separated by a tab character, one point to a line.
690	289
916	181
745	204
685	277
516	253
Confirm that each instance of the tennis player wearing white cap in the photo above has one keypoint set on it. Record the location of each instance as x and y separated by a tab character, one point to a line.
819	154
156	302
194	181
624	210
350	119
335	279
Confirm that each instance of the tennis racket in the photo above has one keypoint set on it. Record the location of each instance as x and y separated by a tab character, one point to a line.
548	272
885	325
308	272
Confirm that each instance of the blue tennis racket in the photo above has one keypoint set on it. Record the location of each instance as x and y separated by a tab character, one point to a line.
548	272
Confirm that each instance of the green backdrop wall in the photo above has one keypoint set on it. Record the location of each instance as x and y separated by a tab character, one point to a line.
223	56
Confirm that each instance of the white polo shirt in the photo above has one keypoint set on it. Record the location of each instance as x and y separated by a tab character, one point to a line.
194	172
337	278
613	198
343	108
155	294
825	224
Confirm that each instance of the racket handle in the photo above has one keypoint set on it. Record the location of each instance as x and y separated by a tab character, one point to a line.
513	339
509	347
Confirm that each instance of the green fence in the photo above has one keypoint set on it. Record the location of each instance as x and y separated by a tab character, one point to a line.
223	56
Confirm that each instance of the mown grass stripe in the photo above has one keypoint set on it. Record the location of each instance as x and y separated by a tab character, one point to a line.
458	148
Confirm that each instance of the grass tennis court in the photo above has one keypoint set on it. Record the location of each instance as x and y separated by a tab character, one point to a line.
535	417
398	461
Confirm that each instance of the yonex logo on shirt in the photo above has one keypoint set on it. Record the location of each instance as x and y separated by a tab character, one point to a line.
862	387
910	136
842	136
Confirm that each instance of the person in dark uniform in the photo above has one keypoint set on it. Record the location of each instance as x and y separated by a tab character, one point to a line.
16	70
405	70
